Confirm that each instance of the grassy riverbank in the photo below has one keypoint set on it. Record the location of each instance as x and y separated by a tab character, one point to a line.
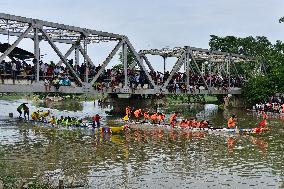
185	99
41	96
12	96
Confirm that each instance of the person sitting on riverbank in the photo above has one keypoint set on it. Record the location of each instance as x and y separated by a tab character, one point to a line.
232	122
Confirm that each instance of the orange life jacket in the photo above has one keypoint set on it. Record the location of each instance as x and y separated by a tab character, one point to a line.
159	117
154	117
137	113
194	123
263	123
173	118
198	124
189	123
231	122
183	124
146	115
204	124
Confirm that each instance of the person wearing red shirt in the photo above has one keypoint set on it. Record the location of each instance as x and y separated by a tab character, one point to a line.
96	121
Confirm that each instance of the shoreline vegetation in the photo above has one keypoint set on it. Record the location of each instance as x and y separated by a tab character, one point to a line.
264	74
42	96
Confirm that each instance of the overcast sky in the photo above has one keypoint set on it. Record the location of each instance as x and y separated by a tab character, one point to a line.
160	23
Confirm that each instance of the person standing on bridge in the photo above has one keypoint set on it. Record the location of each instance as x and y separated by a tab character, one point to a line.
47	85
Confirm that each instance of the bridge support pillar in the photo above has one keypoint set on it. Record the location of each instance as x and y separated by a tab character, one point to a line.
234	101
36	53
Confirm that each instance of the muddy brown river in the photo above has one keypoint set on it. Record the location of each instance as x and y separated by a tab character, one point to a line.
151	158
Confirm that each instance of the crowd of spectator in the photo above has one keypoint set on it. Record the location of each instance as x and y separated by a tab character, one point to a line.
58	75
49	73
275	104
16	70
196	82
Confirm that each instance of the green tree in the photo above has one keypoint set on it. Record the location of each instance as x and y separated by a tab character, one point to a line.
258	87
130	57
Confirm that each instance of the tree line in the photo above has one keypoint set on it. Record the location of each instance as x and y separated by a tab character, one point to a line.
265	73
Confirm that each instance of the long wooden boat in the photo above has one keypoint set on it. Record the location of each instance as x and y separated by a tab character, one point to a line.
84	126
136	125
87	126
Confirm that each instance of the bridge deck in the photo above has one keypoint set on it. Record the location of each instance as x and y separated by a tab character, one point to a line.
27	87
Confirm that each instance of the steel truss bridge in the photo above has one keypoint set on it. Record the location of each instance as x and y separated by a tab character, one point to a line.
79	38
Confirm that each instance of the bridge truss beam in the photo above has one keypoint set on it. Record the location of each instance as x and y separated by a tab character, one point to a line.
53	33
190	56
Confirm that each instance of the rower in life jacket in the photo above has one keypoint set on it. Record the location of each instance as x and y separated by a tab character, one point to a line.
263	123
154	118
137	114
146	116
52	120
128	111
44	115
36	116
232	121
183	123
127	114
162	118
173	119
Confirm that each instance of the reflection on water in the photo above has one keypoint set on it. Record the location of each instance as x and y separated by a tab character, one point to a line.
68	105
151	157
